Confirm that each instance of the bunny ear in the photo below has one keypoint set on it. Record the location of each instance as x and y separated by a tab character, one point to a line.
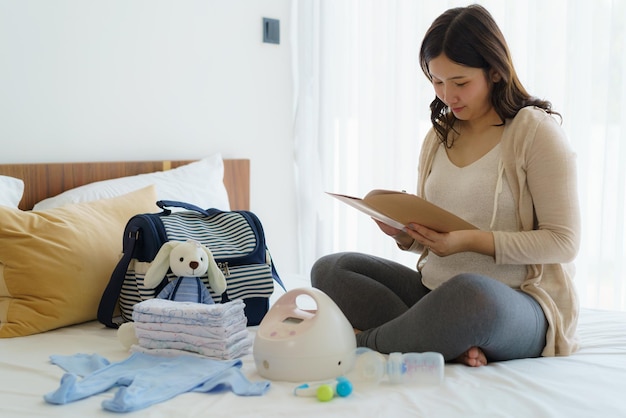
216	277
160	264
194	242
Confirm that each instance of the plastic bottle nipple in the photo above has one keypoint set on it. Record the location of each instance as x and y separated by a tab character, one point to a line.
369	366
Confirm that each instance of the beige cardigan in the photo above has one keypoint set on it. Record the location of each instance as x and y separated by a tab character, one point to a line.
541	169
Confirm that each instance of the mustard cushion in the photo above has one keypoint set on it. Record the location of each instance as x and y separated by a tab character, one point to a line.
55	264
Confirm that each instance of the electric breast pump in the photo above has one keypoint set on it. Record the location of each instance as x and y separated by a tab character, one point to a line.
297	345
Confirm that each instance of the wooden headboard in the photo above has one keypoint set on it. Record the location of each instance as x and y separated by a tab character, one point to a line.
43	180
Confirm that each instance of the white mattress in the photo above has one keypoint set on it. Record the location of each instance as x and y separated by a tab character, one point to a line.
590	383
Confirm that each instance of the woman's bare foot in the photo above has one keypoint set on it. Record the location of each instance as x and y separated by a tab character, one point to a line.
474	357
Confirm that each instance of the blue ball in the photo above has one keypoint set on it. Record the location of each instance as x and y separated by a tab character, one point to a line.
344	387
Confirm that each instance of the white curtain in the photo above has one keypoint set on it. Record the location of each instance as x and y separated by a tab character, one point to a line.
361	111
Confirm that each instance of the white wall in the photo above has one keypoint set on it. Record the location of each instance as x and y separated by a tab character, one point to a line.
89	80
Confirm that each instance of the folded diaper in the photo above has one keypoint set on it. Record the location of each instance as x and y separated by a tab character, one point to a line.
150	318
172	348
191	312
224	330
190	339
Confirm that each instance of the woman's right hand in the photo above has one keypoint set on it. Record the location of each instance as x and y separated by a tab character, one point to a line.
387	229
403	239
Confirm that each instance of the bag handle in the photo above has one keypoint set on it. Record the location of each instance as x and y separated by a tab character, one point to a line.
163	204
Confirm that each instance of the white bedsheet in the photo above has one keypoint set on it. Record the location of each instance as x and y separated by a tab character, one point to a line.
590	383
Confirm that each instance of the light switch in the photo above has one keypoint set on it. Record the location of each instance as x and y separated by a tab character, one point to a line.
271	30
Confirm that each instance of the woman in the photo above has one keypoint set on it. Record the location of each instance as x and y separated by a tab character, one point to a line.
497	157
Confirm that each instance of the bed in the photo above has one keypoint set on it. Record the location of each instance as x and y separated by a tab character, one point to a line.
589	383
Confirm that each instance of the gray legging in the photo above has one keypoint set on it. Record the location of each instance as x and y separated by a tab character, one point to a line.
397	313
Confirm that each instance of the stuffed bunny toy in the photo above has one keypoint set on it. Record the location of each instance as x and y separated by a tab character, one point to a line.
188	261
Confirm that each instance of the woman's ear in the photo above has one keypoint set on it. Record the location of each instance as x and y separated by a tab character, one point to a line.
495	76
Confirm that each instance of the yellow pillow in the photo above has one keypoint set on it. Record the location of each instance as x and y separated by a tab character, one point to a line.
55	264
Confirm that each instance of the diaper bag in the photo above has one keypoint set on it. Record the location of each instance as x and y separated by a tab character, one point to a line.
235	238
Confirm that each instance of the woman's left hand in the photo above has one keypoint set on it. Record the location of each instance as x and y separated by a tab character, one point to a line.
448	243
436	242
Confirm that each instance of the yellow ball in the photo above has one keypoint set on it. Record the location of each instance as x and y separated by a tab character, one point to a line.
325	393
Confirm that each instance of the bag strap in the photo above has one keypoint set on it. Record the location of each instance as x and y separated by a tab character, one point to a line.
277	279
111	293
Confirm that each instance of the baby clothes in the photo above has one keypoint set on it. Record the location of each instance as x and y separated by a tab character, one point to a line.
167	328
145	379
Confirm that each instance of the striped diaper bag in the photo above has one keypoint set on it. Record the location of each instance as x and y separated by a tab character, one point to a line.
235	238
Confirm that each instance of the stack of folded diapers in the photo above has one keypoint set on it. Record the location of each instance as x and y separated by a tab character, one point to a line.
165	327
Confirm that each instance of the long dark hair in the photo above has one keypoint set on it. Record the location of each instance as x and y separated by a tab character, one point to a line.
470	36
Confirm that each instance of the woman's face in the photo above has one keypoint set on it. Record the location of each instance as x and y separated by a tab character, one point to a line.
465	90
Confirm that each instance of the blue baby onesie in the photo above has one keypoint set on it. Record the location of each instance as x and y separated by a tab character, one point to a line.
186	289
145	379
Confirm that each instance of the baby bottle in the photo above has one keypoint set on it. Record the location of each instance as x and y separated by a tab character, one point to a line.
409	368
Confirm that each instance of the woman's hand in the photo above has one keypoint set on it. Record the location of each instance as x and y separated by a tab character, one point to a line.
436	242
402	238
387	229
448	243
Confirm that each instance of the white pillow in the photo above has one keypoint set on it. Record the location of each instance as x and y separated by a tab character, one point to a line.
200	183
11	191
